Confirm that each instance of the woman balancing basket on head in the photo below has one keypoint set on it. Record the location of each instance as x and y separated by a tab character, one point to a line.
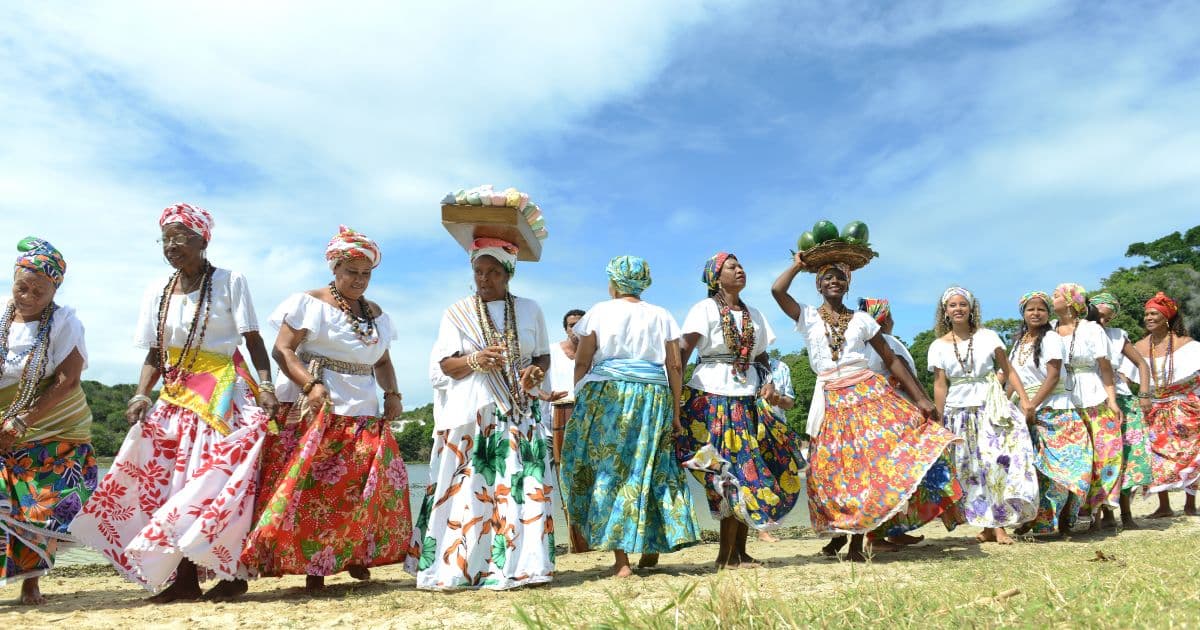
876	462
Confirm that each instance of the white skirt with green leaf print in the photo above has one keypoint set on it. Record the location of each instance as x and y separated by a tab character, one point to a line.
487	519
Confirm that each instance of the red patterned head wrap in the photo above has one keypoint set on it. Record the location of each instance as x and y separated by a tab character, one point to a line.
350	245
1163	304
193	218
712	270
503	251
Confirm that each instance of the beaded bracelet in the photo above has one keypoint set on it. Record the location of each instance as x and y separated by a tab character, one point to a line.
139	398
473	362
267	387
308	387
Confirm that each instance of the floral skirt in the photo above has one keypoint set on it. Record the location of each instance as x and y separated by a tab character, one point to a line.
1107	448
177	489
43	485
1063	448
487	520
994	463
626	490
763	452
334	494
1135	452
1175	443
877	462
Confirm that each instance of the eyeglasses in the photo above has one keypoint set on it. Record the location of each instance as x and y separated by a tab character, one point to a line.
177	241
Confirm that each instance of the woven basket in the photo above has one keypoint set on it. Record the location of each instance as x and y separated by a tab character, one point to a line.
829	252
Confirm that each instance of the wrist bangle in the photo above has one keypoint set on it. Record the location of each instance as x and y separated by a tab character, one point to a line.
139	398
473	362
1144	395
267	387
308	387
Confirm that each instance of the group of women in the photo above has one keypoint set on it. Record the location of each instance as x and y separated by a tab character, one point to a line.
230	476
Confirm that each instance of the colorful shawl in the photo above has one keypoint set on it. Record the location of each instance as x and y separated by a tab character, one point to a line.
208	388
69	421
462	314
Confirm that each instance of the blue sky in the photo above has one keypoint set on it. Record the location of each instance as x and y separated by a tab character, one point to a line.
1002	146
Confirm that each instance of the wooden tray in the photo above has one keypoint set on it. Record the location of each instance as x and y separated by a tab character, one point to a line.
467	223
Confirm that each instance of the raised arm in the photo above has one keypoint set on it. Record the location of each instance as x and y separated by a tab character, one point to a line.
779	289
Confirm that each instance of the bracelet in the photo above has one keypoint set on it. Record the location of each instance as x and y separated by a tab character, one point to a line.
139	398
396	394
267	387
308	387
18	425
473	362
1144	395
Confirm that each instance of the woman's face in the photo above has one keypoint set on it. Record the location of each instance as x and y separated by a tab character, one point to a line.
832	283
32	292
1036	313
351	277
183	248
1060	302
958	310
1155	321
570	328
1106	314
491	278
732	276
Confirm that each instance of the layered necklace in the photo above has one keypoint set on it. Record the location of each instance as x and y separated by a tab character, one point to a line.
38	358
740	343
1026	345
967	364
511	344
836	324
363	325
195	336
1167	375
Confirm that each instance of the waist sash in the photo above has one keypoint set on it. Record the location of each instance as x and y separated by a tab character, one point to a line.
208	388
68	421
1178	391
333	365
851	373
633	370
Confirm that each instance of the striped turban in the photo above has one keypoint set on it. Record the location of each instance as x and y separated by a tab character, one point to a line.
503	251
40	256
1033	295
630	274
712	270
1104	298
350	245
959	291
195	219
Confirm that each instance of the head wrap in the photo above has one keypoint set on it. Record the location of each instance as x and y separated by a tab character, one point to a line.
350	245
1075	295
42	257
630	274
195	219
1163	304
953	291
1104	298
877	308
712	269
1033	295
503	251
840	266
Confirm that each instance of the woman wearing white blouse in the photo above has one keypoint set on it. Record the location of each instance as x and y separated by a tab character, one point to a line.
726	405
994	460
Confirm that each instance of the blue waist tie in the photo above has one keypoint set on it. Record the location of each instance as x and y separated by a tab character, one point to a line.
635	370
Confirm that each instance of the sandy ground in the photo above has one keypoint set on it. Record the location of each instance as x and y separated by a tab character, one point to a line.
95	597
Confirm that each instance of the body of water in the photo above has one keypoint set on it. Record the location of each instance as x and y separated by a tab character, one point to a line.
418	478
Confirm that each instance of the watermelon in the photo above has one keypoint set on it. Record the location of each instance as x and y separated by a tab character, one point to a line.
806	241
856	232
824	231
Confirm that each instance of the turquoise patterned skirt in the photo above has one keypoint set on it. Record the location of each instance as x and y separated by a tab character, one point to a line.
625	489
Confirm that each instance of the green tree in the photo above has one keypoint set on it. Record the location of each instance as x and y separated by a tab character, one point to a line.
1006	327
920	351
1175	248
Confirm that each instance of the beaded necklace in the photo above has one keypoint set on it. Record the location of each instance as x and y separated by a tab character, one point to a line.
1025	348
191	346
364	325
968	366
35	367
740	343
511	344
835	328
1161	381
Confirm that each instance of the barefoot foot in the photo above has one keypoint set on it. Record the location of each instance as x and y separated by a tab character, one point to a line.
648	561
359	572
832	547
176	593
622	571
1161	513
226	590
855	555
904	539
985	536
1002	536
314	583
31	594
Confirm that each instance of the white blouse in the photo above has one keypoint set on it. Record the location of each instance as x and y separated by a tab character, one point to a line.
979	364
1187	363
66	334
231	316
1089	346
1123	369
704	318
875	362
1034	375
328	332
456	401
854	353
562	374
627	330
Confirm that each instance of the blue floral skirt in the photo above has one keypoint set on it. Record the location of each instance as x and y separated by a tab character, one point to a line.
625	490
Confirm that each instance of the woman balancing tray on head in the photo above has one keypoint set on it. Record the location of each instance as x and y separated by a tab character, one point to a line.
507	215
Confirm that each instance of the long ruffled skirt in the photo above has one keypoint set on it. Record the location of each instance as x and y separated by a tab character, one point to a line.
1175	443
43	485
763	452
877	464
1063	448
178	489
1135	450
334	494
1107	447
626	491
994	463
487	520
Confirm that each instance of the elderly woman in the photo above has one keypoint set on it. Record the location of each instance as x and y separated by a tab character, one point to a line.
727	405
487	519
180	494
876	464
1174	418
627	493
47	466
334	491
